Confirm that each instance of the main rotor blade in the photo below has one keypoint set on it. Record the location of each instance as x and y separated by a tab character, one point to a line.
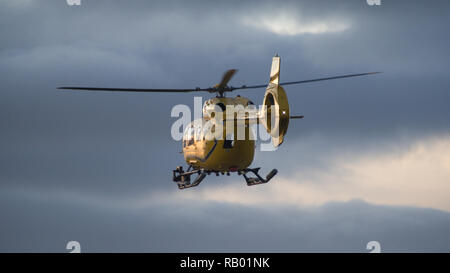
226	78
330	78
306	81
222	87
133	89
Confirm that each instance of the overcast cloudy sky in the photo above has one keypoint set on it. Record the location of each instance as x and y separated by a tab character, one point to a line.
370	161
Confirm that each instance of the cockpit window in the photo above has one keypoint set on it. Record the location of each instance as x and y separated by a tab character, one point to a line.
190	136
198	133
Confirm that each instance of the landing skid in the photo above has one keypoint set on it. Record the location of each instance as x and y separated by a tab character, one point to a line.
251	181
183	178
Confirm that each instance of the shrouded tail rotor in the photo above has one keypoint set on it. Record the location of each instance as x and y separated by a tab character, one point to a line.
275	110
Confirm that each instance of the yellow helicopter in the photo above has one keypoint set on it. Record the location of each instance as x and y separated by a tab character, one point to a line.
222	142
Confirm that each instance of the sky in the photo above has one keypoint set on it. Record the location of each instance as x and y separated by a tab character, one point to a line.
369	162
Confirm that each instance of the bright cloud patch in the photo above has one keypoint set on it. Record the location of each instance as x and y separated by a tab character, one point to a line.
419	176
290	24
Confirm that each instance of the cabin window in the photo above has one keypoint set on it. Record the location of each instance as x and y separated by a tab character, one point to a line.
222	106
206	130
228	143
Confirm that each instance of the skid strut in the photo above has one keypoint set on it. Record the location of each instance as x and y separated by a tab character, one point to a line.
251	181
183	178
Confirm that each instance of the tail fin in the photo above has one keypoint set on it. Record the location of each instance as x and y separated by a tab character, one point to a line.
275	70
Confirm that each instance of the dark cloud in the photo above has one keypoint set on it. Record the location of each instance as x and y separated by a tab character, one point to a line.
215	227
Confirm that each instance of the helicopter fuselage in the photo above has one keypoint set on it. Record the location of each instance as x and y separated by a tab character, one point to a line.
226	152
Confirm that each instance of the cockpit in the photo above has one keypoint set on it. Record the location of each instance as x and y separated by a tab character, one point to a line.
196	131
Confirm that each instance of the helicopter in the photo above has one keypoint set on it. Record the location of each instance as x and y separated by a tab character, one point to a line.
222	142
